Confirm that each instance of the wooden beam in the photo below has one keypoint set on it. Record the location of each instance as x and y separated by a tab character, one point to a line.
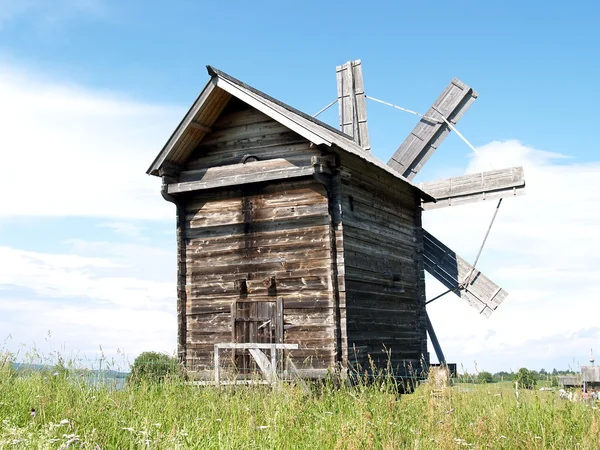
352	102
428	135
240	174
434	341
200	127
451	270
475	187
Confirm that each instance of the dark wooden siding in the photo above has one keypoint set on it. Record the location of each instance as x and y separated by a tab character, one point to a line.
280	231
384	279
253	233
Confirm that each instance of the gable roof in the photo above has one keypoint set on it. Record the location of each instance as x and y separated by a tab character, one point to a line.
213	98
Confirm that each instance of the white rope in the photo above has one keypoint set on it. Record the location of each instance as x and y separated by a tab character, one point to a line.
453	128
433	119
326	108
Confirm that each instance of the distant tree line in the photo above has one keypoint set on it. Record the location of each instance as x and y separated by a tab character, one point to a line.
526	377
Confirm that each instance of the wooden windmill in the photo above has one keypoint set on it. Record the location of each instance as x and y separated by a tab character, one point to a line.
291	233
454	272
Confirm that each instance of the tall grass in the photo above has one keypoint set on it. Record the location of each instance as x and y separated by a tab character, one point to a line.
72	413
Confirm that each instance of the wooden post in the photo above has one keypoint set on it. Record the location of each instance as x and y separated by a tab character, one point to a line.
216	356
279	331
434	340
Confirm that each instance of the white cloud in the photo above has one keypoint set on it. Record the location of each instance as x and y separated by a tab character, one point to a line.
127	229
543	249
89	301
79	331
74	152
72	276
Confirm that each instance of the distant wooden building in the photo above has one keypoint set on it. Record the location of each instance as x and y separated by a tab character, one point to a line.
569	381
590	377
289	231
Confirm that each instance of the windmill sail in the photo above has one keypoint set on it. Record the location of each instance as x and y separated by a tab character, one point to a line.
452	271
428	135
352	104
475	187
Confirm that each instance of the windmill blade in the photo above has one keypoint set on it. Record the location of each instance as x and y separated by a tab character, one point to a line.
428	135
352	103
475	187
451	270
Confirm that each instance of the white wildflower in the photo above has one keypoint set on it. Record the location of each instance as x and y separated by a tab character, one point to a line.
64	422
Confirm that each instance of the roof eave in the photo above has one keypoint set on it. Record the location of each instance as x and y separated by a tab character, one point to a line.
164	153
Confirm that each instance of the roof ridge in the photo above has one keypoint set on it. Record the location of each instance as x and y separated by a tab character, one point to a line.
213	71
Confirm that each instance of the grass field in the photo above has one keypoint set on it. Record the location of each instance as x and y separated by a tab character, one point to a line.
70	413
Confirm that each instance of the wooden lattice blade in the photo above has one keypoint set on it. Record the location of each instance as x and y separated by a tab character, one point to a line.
450	269
352	102
428	135
475	187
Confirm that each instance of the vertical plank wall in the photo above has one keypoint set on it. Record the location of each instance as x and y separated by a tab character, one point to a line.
384	278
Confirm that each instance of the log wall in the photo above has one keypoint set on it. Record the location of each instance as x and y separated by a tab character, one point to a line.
384	277
278	231
253	234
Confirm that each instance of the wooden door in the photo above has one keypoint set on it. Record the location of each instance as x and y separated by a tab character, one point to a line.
255	321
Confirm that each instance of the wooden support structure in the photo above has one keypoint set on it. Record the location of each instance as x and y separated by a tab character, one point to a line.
434	341
475	187
268	367
352	102
427	136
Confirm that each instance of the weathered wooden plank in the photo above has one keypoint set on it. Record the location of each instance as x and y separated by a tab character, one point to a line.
351	102
218	172
426	137
475	187
451	270
242	179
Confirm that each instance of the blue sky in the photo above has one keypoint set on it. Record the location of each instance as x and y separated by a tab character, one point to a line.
91	89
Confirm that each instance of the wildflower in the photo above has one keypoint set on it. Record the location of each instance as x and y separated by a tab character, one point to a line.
129	429
64	422
262	427
158	425
219	420
55	374
71	439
